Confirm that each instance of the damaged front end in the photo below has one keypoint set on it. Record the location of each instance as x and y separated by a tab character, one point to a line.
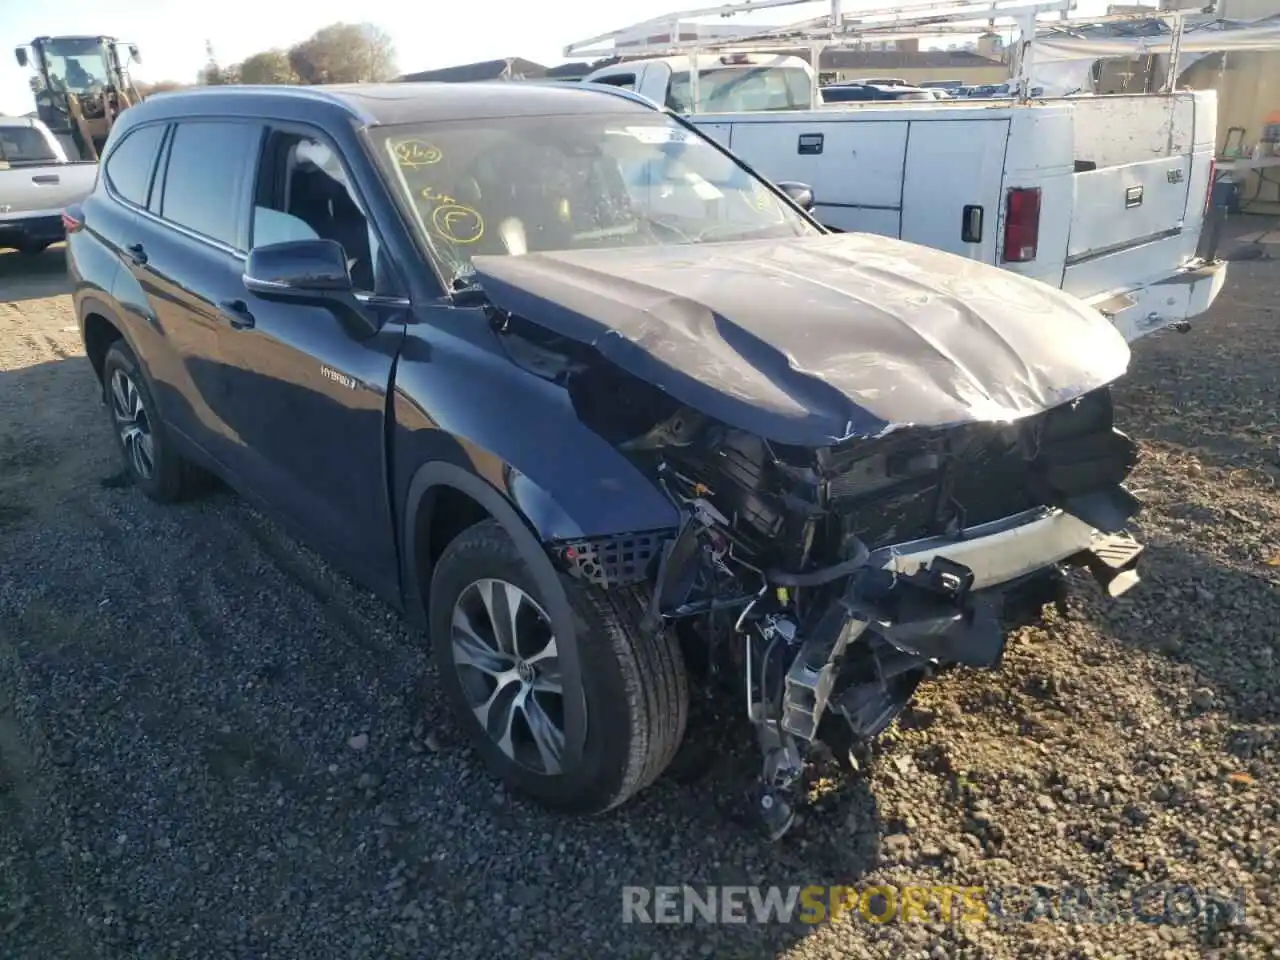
829	582
883	457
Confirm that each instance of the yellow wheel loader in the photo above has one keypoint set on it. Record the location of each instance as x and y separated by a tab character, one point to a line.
81	85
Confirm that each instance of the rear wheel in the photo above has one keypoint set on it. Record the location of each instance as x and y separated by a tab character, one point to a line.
498	657
149	457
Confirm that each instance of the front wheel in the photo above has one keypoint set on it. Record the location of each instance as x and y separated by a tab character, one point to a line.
498	657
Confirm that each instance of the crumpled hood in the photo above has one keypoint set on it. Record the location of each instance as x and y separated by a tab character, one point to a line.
813	340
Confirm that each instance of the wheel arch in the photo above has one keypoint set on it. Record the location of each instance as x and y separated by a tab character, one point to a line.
439	484
100	327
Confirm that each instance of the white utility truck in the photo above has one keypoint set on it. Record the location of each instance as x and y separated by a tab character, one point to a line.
1104	197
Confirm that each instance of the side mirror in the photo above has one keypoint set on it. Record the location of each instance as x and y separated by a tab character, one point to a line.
21	54
801	194
133	53
298	269
309	273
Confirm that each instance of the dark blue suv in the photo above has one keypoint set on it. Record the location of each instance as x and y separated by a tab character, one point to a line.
598	407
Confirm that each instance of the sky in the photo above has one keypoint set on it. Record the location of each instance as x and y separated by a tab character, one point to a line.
171	34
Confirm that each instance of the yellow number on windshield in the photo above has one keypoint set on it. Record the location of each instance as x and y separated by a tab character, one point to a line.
416	153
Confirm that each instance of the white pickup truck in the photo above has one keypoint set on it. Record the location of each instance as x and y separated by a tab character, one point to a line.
36	183
1104	197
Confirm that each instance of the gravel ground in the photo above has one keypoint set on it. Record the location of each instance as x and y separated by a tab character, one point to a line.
213	746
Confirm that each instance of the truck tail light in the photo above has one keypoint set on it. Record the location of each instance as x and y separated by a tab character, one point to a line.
1021	224
1208	193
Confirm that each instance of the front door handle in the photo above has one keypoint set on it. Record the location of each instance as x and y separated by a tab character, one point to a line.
137	254
237	314
46	178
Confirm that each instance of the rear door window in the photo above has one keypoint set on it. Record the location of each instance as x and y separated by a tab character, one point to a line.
24	146
209	164
738	90
130	165
622	82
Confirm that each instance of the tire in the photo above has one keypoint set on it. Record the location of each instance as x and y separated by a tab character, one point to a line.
162	474
634	683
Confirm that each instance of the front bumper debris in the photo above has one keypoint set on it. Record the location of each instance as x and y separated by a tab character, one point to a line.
949	600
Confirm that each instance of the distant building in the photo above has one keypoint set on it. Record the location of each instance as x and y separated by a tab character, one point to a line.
509	68
566	71
1245	9
990	45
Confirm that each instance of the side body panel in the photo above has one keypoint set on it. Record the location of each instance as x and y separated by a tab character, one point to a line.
855	169
953	171
459	398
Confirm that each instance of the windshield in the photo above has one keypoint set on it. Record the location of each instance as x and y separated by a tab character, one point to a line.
532	184
742	89
78	66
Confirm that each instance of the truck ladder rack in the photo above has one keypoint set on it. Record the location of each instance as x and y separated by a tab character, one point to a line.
836	29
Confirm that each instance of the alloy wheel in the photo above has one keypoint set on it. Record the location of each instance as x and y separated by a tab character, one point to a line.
133	424
505	654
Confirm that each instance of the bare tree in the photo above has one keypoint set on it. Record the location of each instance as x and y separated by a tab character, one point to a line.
213	74
344	53
269	66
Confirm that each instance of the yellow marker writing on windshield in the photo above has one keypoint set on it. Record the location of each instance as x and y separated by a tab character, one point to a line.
416	153
457	223
428	194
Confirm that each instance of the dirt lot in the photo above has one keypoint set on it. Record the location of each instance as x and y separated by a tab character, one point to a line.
212	745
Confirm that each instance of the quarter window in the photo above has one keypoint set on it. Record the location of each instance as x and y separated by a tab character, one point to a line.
129	167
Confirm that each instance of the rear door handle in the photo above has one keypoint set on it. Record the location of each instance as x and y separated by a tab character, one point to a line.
237	314
137	254
46	178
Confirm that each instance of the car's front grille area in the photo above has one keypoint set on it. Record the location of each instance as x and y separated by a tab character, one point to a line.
918	484
989	476
932	483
